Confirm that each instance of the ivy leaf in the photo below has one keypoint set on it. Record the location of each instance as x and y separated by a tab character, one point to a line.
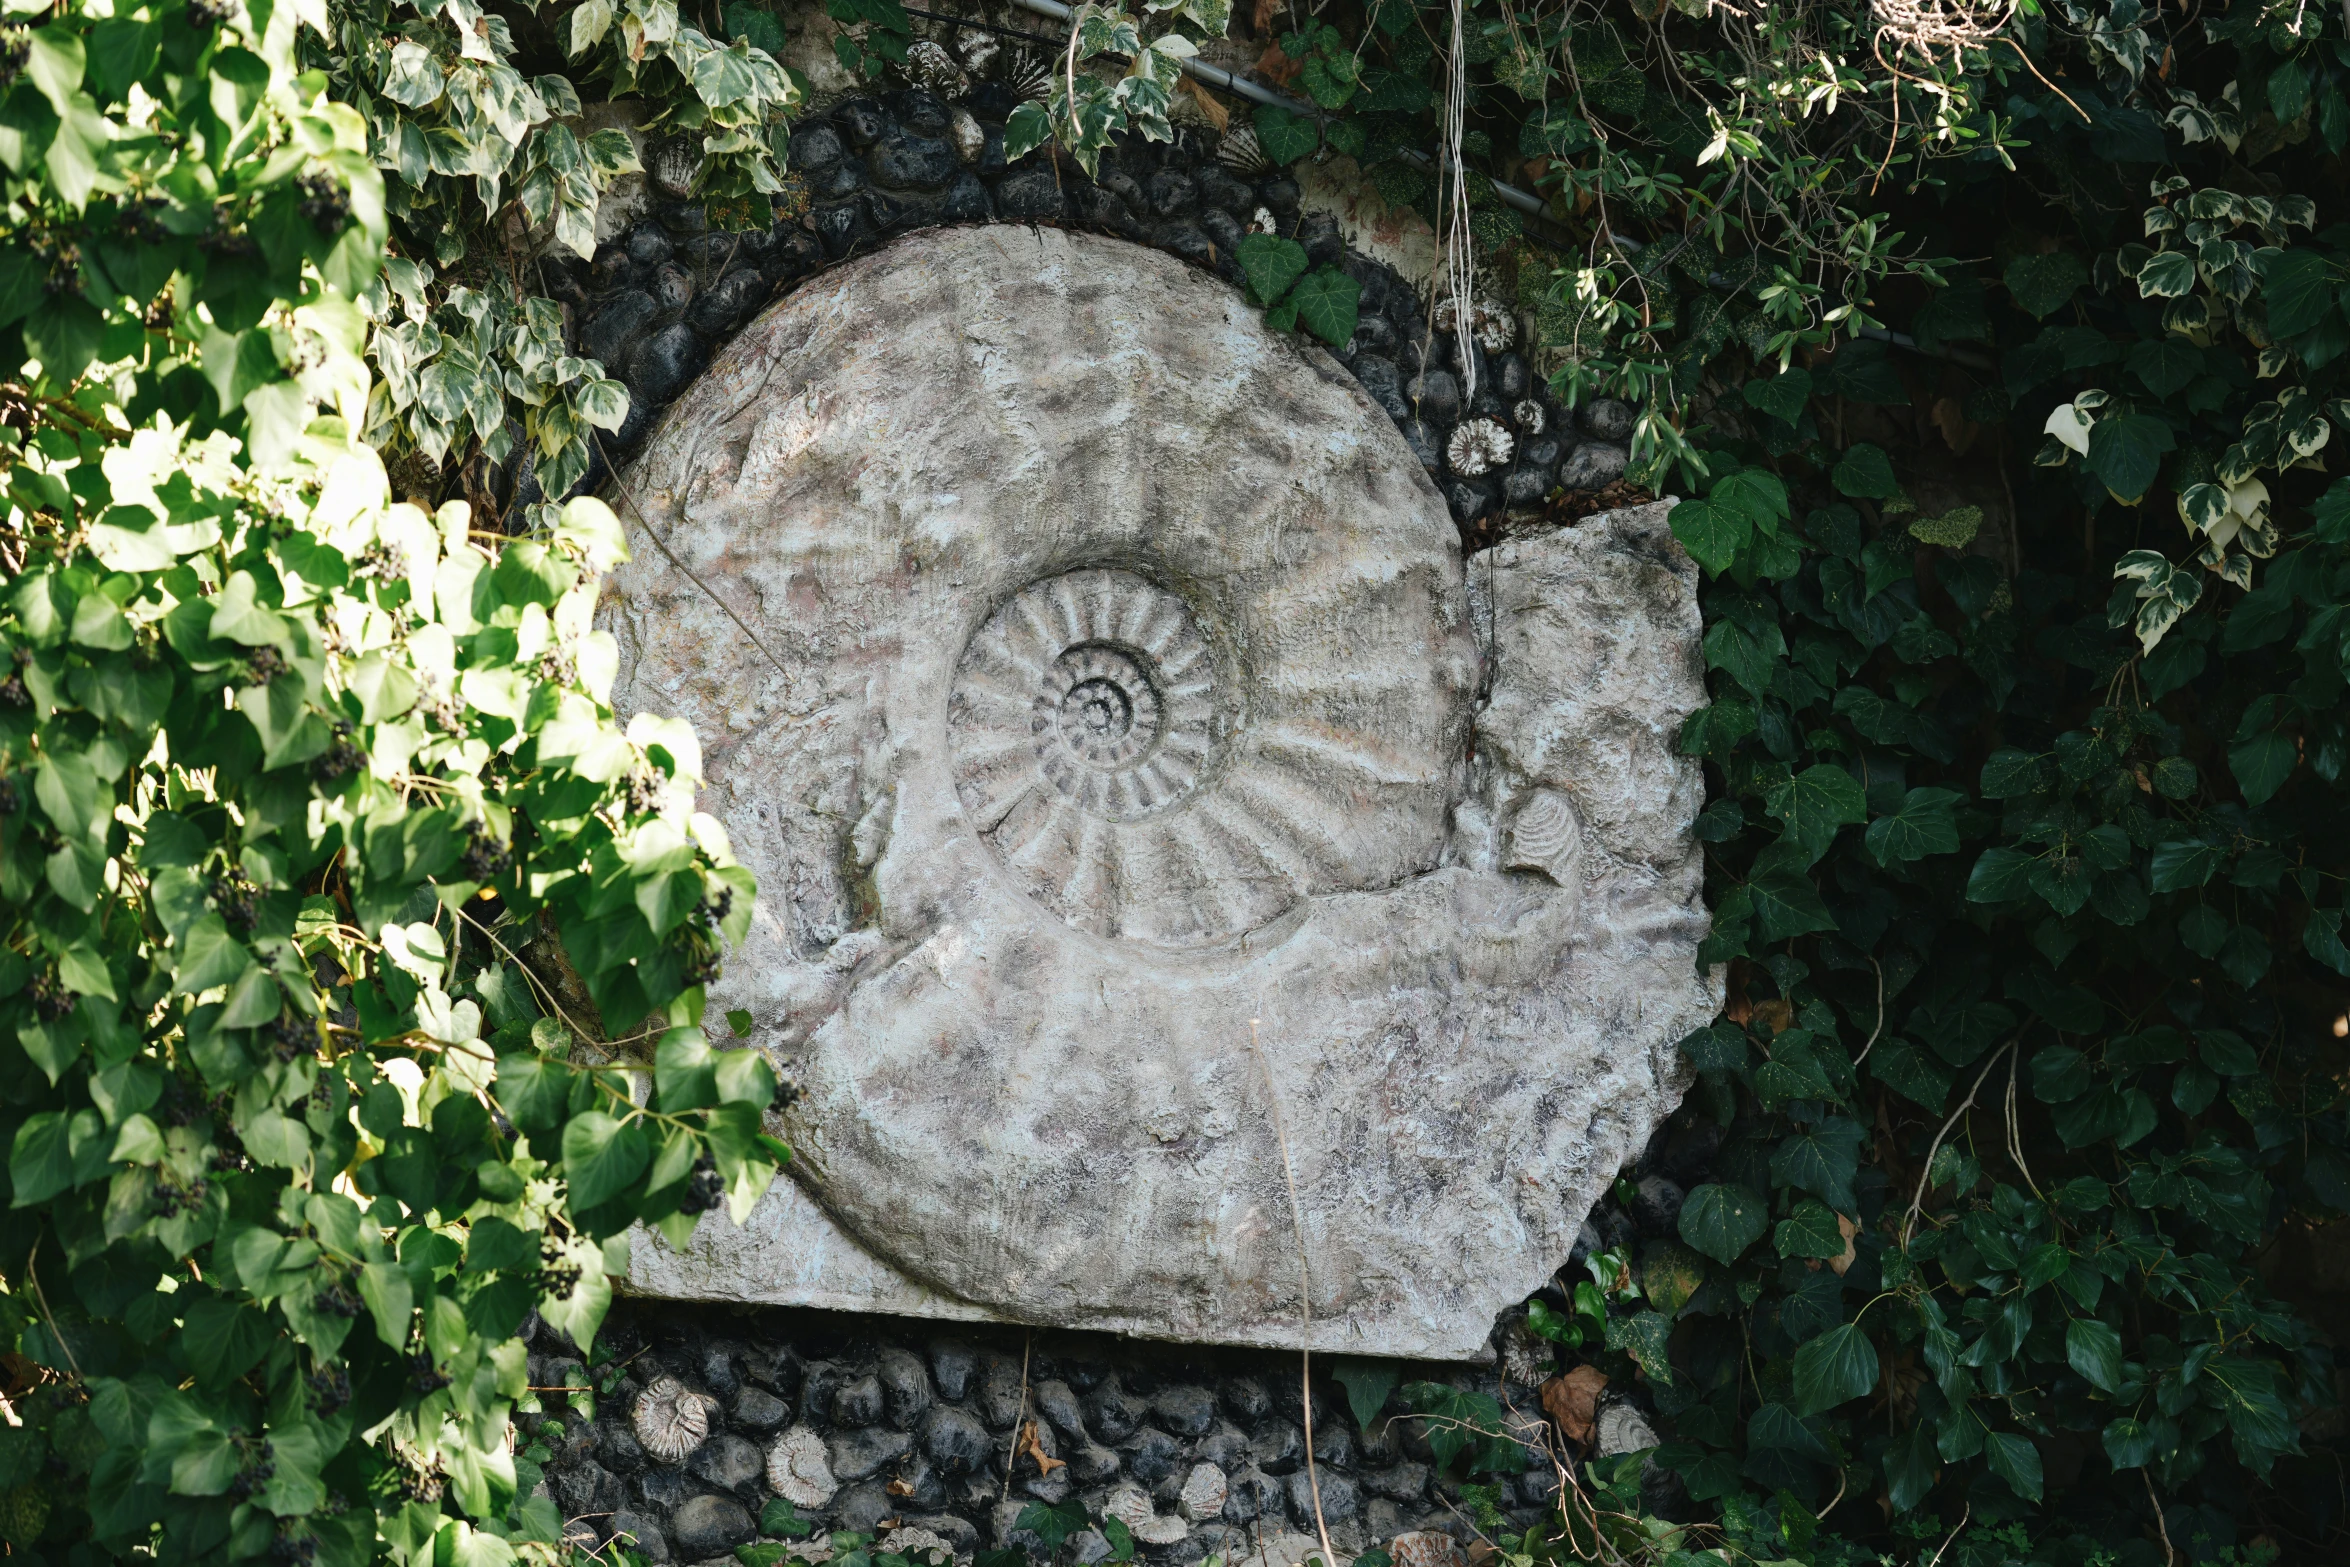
1367	1384
1646	1337
2125	452
1328	305
2261	764
1815	803
1785	901
2042	284
2299	289
1028	128
2183	863
1270	264
2002	875
1723	1219
1822	1159
1866	471
2014	1459
1837	1366
601	1156
1713	535
2094	1349
1926	822
1283	136
1781	396
1810	1231
2130	1444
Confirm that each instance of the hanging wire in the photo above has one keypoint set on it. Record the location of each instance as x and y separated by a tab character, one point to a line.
1459	254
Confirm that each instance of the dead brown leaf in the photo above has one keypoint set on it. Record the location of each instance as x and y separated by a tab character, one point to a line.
1778	1016
1573	1401
1218	116
1851	1250
1958	431
1261	20
1031	1446
1276	66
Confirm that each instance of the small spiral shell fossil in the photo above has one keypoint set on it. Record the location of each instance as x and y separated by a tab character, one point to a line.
929	66
798	1470
1547	837
1528	416
1478	446
671	1420
1492	323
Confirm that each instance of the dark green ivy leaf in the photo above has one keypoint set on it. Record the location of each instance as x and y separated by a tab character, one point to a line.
1837	1366
1723	1219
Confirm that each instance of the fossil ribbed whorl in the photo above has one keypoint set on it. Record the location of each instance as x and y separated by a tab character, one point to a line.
1086	671
671	1420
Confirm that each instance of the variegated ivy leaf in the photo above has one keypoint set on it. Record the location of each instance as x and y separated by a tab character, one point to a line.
2166	274
2202	507
2070	426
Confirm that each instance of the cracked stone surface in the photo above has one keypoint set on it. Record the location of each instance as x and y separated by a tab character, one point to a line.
1138	778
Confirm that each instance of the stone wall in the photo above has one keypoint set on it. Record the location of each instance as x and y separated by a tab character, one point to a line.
659	298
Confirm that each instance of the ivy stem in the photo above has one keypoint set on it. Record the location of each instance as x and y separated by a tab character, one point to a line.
1926	1173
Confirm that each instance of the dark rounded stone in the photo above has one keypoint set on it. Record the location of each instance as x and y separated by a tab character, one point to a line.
640	1534
895	211
727	1461
955	1440
1002	1391
1448	345
1656	1205
1540	451
1185	1410
709	255
921	1483
1373	279
1101	208
1334	1443
1407	1483
1249	1494
659	367
1218	189
841	227
838	182
1224	230
813	147
709	1526
664	1489
1587	1241
613	269
1526	486
1171	194
1594	466
1185	240
1092	1463
857	1402
585	1488
1125	187
861	121
1318	232
1278	1448
951	1363
1278	196
617	1445
1372	336
856	1454
1226	1448
903	161
672	287
1340	1501
1246	1396
648	246
1512	378
920	111
1437	396
905	1386
991	100
1606	419
967	200
758	1411
991	151
1028	195
794	253
1422	440
1151	1455
1471	499
684	219
1689	1155
861	1508
619	323
1113	1413
726	302
1057	1404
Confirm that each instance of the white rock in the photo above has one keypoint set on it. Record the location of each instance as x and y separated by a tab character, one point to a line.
919	1545
1202	1497
1131	1506
1426	1548
798	1470
1285	1548
1144	650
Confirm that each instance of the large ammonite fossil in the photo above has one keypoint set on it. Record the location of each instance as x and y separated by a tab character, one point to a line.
1131	768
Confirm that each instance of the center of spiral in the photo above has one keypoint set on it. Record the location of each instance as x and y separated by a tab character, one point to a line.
1107	709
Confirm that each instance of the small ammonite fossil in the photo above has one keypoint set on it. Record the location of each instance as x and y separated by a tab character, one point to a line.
671	1420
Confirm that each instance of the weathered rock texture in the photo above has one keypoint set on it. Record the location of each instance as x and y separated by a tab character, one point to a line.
1138	802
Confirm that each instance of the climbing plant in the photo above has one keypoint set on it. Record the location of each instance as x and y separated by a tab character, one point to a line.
1997	354
334	900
